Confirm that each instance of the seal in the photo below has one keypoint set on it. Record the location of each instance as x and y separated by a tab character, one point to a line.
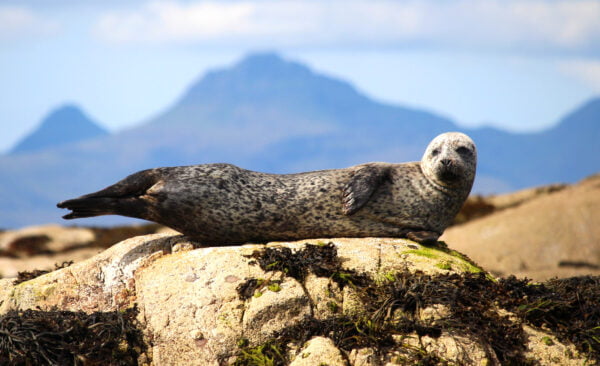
219	204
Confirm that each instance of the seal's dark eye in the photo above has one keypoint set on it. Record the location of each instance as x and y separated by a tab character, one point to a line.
463	151
435	152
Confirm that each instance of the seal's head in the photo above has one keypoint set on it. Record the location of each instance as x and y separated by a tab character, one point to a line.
450	160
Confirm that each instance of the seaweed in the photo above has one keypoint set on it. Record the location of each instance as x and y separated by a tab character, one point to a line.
268	354
37	337
567	308
247	288
29	275
322	260
27	246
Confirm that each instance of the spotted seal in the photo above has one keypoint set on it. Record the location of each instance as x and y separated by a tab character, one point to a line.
221	204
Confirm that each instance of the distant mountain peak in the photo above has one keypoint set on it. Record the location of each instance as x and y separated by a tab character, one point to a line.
270	62
63	125
586	116
270	75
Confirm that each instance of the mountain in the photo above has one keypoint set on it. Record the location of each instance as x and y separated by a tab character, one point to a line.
565	153
64	125
270	114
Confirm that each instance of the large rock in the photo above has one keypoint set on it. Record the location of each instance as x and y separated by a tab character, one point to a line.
43	239
538	236
43	247
352	302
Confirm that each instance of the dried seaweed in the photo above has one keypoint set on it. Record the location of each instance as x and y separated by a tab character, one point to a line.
29	275
322	260
568	308
36	337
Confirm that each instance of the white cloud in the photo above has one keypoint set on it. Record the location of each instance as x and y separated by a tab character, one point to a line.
567	25
18	22
586	71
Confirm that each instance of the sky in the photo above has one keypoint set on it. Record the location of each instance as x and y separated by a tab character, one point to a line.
518	65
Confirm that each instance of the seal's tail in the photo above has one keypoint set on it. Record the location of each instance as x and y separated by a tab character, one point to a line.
122	198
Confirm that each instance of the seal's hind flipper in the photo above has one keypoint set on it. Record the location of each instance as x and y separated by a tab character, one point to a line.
365	180
122	198
87	207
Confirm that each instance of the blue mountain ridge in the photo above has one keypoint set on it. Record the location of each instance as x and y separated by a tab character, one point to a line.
274	115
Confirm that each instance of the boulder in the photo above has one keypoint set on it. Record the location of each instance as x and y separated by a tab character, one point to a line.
551	234
345	301
46	246
43	239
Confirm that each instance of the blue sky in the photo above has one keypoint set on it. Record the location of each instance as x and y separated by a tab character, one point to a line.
514	64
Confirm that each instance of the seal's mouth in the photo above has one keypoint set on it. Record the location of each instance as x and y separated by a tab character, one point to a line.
449	175
448	172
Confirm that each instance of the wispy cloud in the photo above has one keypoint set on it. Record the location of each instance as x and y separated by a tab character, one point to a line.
586	71
556	25
17	22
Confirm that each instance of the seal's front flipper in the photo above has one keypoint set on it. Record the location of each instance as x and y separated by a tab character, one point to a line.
363	183
423	237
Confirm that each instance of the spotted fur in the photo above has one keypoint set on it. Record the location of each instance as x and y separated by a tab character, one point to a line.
224	204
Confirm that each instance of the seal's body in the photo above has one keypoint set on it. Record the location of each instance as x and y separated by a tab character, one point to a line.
224	204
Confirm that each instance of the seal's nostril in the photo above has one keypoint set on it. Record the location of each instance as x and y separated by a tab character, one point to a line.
445	162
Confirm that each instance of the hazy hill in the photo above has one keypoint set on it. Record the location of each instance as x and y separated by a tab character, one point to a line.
64	125
274	115
565	153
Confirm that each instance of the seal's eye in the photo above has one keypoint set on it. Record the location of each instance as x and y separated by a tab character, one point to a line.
435	152
463	151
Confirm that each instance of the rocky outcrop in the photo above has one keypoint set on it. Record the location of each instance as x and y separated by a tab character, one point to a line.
371	301
477	206
41	247
539	236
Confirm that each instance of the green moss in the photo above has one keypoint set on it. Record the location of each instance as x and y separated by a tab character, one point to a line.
333	306
274	287
272	265
547	341
242	342
424	252
390	276
249	287
257	293
451	258
444	265
342	277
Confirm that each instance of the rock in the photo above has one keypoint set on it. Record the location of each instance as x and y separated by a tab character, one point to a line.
363	357
275	310
102	283
554	234
477	206
10	267
43	239
548	350
363	301
319	351
43	247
